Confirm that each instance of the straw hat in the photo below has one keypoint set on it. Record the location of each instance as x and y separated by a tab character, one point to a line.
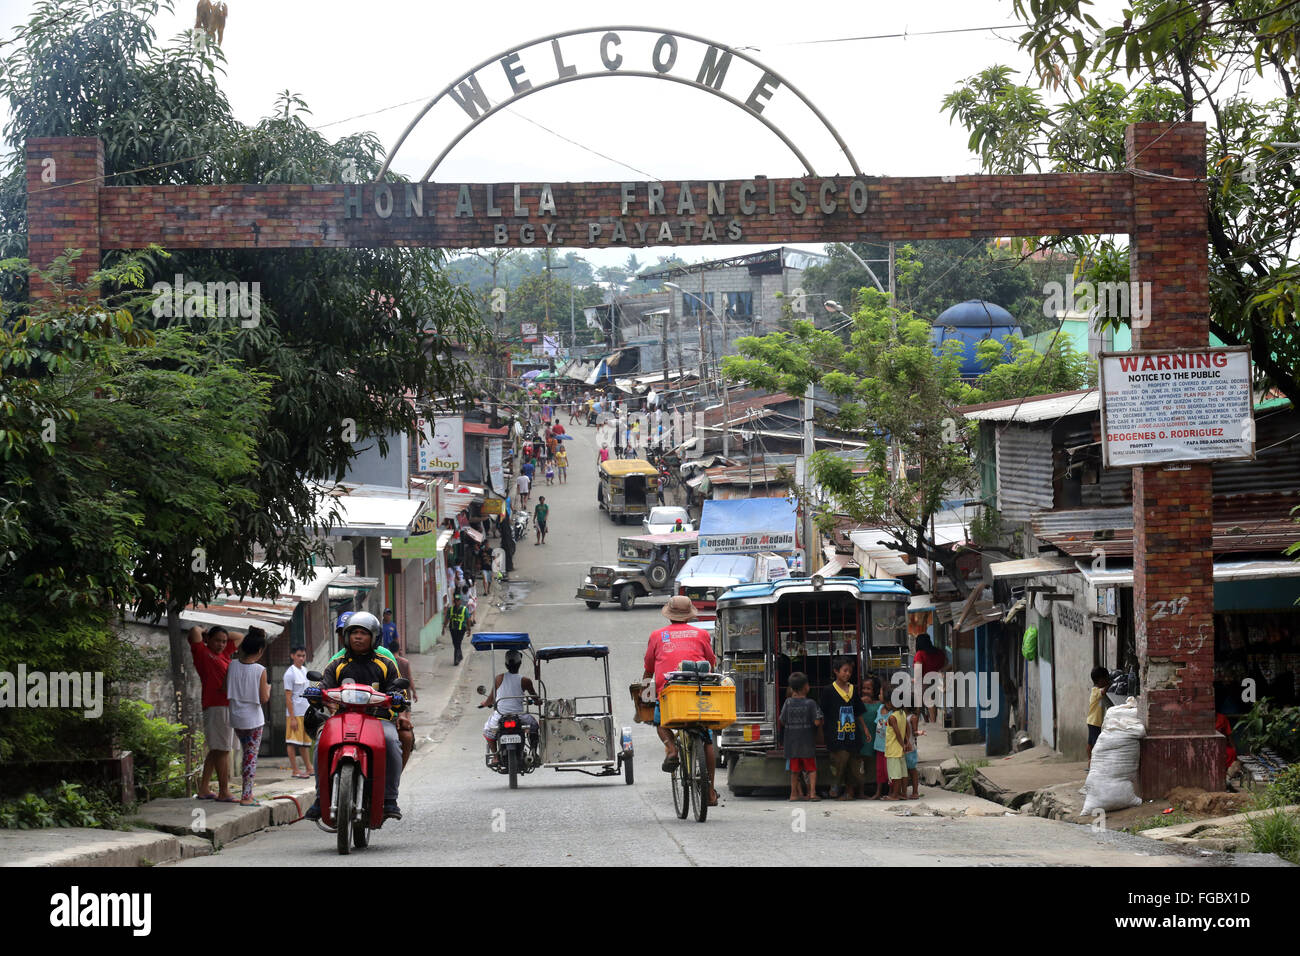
679	609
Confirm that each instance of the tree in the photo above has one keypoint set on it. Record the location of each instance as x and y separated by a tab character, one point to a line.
346	335
121	451
895	389
1015	369
1169	61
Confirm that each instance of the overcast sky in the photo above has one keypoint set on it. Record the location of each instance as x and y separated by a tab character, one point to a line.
385	58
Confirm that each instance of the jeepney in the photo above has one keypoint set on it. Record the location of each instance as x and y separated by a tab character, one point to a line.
646	565
766	632
627	487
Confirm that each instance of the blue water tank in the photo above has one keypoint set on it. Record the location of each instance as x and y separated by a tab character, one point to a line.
970	322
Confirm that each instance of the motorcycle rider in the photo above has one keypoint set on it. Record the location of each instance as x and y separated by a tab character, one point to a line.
405	729
511	690
361	662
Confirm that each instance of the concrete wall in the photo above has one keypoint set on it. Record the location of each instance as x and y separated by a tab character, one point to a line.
1072	630
767	307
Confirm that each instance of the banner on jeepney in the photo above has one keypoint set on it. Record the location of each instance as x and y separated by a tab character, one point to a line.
746	543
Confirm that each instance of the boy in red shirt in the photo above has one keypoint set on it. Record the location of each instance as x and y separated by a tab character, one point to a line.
668	647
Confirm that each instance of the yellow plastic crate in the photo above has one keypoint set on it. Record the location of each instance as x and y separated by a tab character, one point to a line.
713	706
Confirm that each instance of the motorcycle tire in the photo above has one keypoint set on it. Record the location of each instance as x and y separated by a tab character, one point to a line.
361	831
627	770
512	766
593	605
346	790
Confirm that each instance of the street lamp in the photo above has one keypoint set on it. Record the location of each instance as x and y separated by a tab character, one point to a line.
726	407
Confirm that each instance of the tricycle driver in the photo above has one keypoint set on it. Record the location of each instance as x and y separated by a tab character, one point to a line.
512	691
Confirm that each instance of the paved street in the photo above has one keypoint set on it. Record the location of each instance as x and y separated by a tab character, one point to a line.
456	812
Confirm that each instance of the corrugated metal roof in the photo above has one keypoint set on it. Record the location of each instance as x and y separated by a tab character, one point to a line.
370	515
1242	523
1032	567
1223	571
1036	408
1024	471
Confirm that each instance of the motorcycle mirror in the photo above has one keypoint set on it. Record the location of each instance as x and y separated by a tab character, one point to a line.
481	690
315	675
401	683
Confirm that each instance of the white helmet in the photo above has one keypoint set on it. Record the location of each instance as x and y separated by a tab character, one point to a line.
363	619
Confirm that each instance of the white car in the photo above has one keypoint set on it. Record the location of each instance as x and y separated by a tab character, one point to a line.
662	519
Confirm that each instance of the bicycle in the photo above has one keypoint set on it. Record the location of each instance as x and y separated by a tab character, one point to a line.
711	698
691	776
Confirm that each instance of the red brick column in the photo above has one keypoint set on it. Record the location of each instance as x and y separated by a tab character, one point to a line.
1173	506
63	180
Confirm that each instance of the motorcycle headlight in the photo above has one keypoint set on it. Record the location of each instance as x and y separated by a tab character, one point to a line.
359	695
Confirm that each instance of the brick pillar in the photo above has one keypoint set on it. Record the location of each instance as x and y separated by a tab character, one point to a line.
63	180
1173	505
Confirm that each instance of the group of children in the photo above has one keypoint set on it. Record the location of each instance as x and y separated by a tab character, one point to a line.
890	750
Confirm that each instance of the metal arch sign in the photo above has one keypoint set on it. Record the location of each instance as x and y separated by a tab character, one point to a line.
596	52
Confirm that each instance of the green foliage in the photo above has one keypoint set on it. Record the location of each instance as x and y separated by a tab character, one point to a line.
1016	369
1268	725
155	744
63	806
1283	791
964	781
1276	832
1160	820
893	389
1167	61
342	334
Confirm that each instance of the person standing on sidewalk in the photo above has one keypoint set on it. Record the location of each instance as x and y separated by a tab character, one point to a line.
540	514
458	621
212	653
388	636
296	740
248	690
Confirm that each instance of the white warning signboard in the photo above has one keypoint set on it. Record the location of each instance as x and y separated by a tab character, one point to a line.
1180	405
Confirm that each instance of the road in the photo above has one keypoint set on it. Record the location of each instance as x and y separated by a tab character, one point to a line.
456	812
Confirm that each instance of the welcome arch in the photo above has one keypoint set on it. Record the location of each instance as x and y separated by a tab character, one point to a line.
1158	200
714	65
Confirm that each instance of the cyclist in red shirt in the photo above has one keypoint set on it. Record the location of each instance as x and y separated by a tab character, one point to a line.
668	647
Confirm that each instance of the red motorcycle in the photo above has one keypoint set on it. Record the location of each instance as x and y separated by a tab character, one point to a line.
350	769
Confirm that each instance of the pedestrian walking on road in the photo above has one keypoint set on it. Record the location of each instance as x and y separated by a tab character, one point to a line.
524	484
562	464
457	621
248	690
296	740
604	453
800	718
485	566
540	514
212	654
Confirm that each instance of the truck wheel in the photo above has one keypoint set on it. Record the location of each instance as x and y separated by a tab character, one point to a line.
627	597
593	604
657	575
